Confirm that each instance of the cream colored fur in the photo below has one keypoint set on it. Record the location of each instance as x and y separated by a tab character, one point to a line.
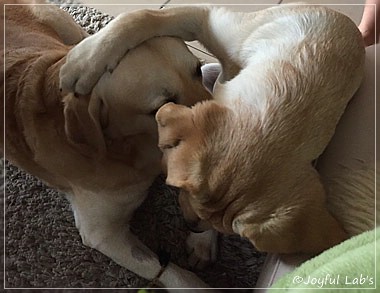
244	160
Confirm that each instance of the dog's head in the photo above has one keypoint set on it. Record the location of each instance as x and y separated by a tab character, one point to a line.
118	116
196	143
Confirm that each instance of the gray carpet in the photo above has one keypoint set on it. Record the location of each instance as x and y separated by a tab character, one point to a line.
44	250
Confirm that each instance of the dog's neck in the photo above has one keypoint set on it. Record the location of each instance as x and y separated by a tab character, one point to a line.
52	81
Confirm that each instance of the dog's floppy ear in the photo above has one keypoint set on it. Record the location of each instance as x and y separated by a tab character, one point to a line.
176	138
82	124
174	122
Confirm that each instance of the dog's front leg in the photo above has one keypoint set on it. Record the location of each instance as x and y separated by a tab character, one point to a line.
126	250
217	29
87	61
103	225
202	248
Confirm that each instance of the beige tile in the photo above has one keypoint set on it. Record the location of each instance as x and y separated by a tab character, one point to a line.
238	5
115	7
198	50
106	2
351	8
231	2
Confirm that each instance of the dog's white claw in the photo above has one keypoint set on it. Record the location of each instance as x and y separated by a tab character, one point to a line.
86	82
78	76
202	249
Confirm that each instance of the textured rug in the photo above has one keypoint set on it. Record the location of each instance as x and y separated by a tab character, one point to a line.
43	248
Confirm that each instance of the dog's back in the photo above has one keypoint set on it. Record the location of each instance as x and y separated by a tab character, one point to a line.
30	56
26	41
22	24
299	69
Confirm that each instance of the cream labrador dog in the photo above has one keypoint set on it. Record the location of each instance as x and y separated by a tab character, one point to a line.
244	161
100	149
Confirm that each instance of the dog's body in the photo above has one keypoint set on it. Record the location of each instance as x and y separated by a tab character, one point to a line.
100	149
244	161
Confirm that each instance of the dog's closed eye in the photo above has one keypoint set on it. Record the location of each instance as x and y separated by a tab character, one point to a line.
172	144
172	98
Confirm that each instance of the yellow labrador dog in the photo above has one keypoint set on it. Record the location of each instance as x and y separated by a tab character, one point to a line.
244	161
101	148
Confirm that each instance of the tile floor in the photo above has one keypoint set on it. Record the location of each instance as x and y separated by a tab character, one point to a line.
352	8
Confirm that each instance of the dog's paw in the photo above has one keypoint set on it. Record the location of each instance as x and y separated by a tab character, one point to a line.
86	63
202	248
